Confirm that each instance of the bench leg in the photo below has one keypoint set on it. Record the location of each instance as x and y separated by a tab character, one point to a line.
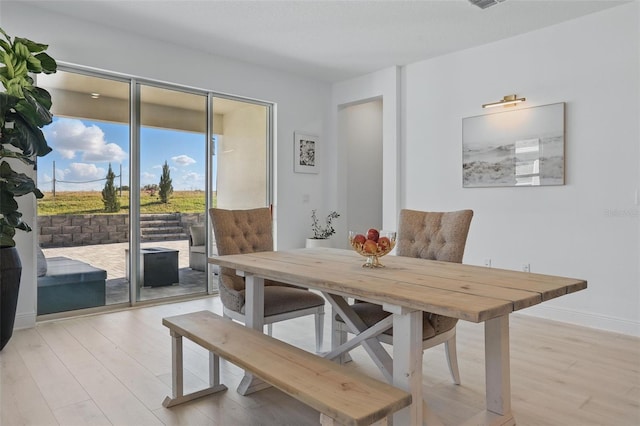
177	375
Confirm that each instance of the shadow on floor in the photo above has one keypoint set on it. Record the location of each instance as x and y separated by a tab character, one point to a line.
190	281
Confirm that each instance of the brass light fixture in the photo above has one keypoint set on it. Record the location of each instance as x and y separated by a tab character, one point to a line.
509	100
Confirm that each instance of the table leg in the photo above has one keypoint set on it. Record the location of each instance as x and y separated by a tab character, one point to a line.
497	375
407	362
364	336
254	318
497	368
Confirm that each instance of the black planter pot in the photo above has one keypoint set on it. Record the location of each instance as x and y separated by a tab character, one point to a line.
10	271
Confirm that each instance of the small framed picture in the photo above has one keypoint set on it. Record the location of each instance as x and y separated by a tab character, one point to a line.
305	151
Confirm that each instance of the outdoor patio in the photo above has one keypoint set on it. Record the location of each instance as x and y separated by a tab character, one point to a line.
111	257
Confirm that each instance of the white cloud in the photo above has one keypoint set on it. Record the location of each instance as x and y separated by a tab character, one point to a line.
145	176
183	160
83	172
80	177
192	177
70	137
189	181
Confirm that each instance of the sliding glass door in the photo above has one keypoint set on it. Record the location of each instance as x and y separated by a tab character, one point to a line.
135	166
82	240
172	175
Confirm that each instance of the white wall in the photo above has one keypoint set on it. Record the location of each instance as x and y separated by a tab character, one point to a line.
360	127
588	228
383	85
301	103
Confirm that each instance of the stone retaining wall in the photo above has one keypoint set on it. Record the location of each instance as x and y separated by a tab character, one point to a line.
79	230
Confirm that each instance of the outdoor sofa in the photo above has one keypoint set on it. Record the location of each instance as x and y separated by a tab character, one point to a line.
66	284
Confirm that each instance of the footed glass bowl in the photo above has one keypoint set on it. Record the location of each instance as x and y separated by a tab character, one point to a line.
373	245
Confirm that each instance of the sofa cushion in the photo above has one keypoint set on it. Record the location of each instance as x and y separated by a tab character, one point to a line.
197	249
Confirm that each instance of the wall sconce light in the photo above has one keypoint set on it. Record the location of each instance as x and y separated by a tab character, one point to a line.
509	100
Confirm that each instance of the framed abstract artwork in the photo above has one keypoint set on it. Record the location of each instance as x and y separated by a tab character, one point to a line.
305	152
524	147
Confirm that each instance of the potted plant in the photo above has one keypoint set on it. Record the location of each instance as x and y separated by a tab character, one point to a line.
24	110
321	233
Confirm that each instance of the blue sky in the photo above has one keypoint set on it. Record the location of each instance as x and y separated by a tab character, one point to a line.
83	149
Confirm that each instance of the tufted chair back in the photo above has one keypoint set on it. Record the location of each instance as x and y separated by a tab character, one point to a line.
433	235
239	232
426	235
242	231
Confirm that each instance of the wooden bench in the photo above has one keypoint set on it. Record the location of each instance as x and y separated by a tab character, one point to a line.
342	395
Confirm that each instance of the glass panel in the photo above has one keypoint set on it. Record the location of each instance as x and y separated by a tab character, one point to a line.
172	199
82	241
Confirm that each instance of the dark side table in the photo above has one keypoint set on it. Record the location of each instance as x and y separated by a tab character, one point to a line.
159	266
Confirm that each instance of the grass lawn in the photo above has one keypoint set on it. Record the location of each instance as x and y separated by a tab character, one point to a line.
90	202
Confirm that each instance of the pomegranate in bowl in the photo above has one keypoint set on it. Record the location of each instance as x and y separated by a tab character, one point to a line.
372	244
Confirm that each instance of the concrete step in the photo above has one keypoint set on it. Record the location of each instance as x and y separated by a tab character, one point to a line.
164	237
159	223
162	230
158	216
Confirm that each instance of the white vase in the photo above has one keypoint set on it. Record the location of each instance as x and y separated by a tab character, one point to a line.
316	242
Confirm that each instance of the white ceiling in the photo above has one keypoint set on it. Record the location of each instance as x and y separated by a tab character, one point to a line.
327	40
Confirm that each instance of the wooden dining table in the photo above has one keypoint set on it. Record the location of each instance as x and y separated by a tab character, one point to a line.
406	287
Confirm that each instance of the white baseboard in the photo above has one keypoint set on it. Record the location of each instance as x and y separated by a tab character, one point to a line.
586	319
27	320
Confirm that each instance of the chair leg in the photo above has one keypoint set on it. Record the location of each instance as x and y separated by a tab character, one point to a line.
319	317
452	359
270	329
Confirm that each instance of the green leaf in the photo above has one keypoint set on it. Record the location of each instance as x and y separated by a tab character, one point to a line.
49	65
34	65
6	153
27	138
17	184
7	232
5	35
6	103
41	96
9	205
32	110
5	46
31	45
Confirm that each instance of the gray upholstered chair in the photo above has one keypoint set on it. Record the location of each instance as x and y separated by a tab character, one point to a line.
249	231
425	235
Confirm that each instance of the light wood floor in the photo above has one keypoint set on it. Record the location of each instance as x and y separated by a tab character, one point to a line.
114	369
